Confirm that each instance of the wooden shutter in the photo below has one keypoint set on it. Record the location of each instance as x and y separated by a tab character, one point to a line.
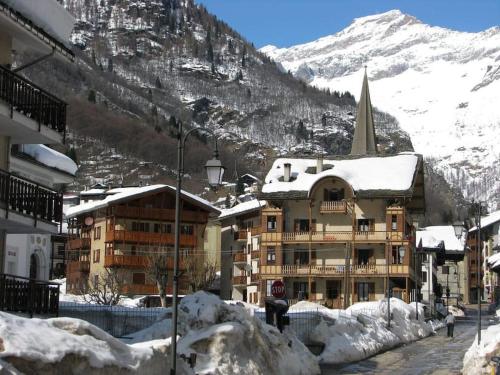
314	229
400	223
371	256
296	225
341	194
355	293
325	194
313	287
371	225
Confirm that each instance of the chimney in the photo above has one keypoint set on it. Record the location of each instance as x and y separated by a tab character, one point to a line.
319	165
286	175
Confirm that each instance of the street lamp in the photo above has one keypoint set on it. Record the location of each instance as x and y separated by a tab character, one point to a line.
215	171
458	227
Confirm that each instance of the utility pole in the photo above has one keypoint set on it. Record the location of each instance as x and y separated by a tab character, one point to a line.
479	268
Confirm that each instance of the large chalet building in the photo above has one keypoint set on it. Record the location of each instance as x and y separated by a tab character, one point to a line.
341	230
122	231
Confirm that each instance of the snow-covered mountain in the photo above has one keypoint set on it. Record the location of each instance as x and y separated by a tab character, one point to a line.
443	86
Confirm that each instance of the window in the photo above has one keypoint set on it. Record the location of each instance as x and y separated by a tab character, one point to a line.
139	278
301	257
332	289
300	290
97	233
187	229
363	292
269	283
333	194
140	227
109	249
364	256
162	228
301	225
271	255
271	223
365	225
133	250
424	276
97	256
394	222
397	254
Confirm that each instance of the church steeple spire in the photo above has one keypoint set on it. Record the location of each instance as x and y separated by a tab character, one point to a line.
364	141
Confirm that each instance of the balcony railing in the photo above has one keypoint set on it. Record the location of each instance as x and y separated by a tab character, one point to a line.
142	289
25	97
150	238
239	280
160	214
255	254
337	236
79	244
20	294
135	261
29	198
77	266
239	258
335	270
328	207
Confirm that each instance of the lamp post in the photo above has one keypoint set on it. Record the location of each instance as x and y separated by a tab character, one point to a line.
215	171
477	207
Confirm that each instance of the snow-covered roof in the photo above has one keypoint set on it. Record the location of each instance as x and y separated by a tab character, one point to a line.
444	233
494	261
93	192
50	158
251	176
242	208
427	240
368	176
136	192
47	14
488	220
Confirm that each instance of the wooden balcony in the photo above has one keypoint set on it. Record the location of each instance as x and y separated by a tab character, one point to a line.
28	99
149	238
325	237
254	279
78	244
336	270
240	258
333	207
29	198
141	289
160	214
239	280
78	266
241	235
135	261
255	254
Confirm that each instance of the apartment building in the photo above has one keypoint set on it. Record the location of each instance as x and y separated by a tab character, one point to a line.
31	174
489	248
123	231
240	239
339	230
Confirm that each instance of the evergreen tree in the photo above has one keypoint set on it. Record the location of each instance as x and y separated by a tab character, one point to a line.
214	72
249	93
323	120
227	203
210	52
110	64
158	83
171	66
71	153
243	56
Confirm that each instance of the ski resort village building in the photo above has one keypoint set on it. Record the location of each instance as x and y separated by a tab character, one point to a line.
126	229
31	174
341	230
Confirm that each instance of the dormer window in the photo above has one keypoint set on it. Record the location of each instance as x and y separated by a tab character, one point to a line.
333	194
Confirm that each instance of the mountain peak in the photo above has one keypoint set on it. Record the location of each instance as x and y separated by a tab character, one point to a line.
394	16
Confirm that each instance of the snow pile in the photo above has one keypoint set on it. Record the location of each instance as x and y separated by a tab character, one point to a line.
228	340
61	345
159	330
361	330
456	311
477	358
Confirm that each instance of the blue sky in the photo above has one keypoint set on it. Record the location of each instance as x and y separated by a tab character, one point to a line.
288	22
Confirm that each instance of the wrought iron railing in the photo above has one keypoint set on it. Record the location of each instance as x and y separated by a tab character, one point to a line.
25	97
21	294
26	197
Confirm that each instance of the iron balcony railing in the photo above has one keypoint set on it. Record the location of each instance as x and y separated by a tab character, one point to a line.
29	198
20	294
25	97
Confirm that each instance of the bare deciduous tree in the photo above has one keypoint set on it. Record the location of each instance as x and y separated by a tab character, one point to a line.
106	289
157	270
200	274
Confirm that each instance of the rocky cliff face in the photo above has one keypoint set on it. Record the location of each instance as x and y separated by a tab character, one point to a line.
441	85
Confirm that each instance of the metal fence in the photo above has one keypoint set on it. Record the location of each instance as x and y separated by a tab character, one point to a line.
118	321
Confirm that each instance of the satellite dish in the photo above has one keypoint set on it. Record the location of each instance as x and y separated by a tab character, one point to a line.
89	220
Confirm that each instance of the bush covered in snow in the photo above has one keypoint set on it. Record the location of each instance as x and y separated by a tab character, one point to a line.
477	358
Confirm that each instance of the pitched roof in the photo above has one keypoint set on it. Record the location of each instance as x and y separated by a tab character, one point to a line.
364	141
369	176
433	235
488	220
134	193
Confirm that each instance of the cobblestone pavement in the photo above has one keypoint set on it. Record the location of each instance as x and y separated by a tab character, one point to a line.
437	355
